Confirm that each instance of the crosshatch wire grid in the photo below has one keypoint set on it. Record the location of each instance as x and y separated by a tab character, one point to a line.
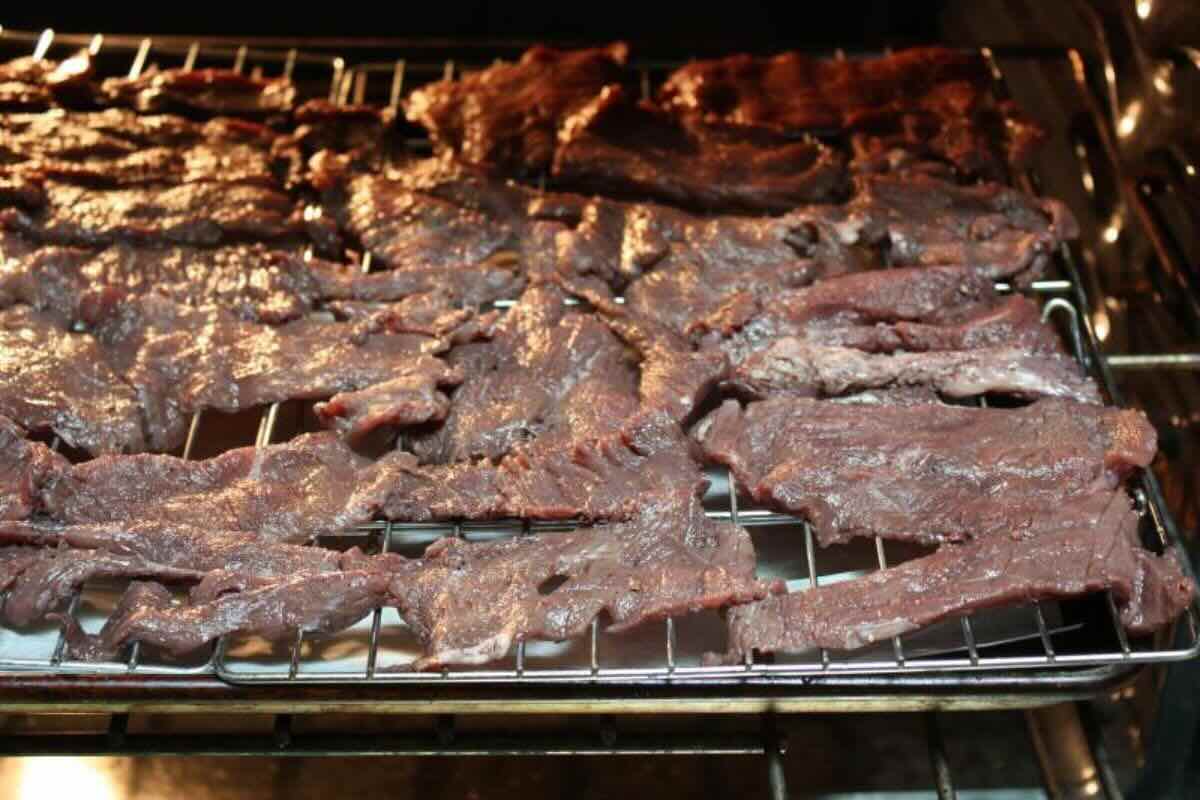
376	650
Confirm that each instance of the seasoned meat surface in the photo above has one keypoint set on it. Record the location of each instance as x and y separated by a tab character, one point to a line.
506	117
616	146
209	91
928	473
471	602
1086	545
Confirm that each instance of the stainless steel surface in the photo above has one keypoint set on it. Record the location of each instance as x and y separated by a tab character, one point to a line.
1042	638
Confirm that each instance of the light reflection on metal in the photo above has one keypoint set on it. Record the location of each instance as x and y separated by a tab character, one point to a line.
43	44
1101	324
1162	79
1144	7
1129	119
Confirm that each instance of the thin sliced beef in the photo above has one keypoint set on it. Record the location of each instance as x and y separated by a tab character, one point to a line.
437	216
506	117
228	560
25	467
915	309
983	140
49	580
206	214
15	559
1088	545
209	91
792	91
55	381
616	146
212	163
316	604
471	602
37	82
118	148
114	133
255	282
611	477
916	219
927	473
934	99
553	374
316	485
548	369
312	485
183	360
360	134
747	262
416	394
436	219
794	366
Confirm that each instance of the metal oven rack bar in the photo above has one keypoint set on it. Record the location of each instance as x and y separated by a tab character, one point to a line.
949	669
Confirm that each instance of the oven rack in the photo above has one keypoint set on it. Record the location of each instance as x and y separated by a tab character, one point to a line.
343	83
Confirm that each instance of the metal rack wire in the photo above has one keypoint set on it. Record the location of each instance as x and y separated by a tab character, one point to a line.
1045	639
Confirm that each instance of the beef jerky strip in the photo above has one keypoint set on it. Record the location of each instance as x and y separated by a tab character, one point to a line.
433	219
312	485
211	91
206	213
316	485
44	584
1087	545
926	473
315	604
935	308
933	98
360	133
115	133
229	560
256	283
794	366
15	559
793	91
436	215
750	260
611	477
471	602
182	360
917	219
37	82
551	373
415	395
969	137
118	148
616	146
55	381
547	369
506	117
25	467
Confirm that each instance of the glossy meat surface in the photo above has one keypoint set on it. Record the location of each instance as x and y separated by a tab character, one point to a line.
793	366
25	466
289	492
616	146
1085	546
472	602
928	473
211	91
506	117
56	381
